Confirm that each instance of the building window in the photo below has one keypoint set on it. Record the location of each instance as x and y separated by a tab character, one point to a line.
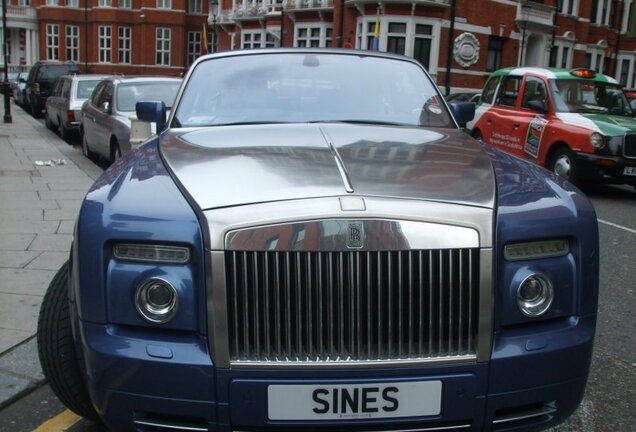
413	36
313	35
125	4
72	43
623	72
124	44
601	12
164	4
105	3
568	7
23	3
257	39
194	6
52	41
495	52
194	46
52	2
105	44
163	47
72	3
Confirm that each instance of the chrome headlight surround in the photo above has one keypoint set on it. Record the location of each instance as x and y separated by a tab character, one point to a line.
597	140
535	295
156	300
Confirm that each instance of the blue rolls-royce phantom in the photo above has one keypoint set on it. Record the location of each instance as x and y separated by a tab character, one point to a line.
313	244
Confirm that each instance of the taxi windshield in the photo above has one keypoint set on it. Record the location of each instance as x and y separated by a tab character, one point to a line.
583	96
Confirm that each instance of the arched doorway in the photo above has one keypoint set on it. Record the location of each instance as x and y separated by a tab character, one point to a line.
535	50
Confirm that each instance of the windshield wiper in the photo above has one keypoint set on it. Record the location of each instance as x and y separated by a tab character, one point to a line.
370	122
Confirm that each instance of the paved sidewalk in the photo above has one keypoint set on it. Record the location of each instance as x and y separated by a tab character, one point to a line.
38	207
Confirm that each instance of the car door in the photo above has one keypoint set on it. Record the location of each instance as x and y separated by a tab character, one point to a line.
503	118
102	124
62	105
532	116
89	115
53	102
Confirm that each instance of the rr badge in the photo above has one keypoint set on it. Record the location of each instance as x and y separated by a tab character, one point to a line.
355	235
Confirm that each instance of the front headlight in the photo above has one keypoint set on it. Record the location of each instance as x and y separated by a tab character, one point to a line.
535	295
597	140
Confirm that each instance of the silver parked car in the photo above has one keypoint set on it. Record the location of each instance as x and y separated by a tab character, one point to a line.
19	87
64	105
106	115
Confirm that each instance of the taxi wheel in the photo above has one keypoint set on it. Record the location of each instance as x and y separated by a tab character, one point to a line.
56	348
563	164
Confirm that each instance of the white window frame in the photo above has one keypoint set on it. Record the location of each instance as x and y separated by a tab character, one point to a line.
52	42
72	3
162	46
195	45
266	40
598	59
627	9
105	3
600	19
72	34
195	6
105	44
164	4
124	54
323	37
569	7
631	68
565	45
52	2
125	4
363	35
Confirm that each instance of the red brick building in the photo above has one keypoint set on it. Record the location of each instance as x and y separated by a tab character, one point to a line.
469	37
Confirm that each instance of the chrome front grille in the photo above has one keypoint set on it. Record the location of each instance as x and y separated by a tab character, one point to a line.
629	149
352	306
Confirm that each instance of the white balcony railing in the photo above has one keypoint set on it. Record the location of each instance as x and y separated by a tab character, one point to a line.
21	12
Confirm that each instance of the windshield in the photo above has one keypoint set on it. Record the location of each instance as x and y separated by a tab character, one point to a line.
310	87
85	88
580	96
129	94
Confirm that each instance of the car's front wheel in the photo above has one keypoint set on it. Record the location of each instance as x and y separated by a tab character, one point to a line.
56	348
563	164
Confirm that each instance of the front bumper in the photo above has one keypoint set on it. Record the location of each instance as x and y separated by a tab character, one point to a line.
604	169
535	378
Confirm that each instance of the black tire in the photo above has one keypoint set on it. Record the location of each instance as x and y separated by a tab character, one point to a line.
86	151
115	150
63	131
48	122
477	135
57	348
563	164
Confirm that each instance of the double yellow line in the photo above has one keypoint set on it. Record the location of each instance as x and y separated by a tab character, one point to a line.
61	422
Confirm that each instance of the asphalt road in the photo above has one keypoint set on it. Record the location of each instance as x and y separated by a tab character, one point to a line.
610	401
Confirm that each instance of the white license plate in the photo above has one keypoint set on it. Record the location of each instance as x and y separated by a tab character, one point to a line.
630	171
354	401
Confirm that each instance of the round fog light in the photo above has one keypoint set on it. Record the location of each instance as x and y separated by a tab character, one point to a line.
535	295
156	300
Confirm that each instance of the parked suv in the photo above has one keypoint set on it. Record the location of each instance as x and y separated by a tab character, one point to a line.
40	82
577	123
65	102
106	115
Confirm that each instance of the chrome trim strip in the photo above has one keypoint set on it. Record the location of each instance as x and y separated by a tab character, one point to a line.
546	410
175	426
339	163
331	235
484	332
344	363
217	309
425	429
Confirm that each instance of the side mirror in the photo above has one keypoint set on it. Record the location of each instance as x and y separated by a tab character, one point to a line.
152	111
463	112
105	107
538	105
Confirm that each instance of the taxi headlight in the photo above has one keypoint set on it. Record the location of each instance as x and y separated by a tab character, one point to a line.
535	295
156	300
597	140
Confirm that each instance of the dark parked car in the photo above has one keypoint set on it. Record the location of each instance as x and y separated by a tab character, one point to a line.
63	106
311	243
42	77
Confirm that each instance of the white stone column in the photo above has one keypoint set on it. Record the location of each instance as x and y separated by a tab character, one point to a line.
27	47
